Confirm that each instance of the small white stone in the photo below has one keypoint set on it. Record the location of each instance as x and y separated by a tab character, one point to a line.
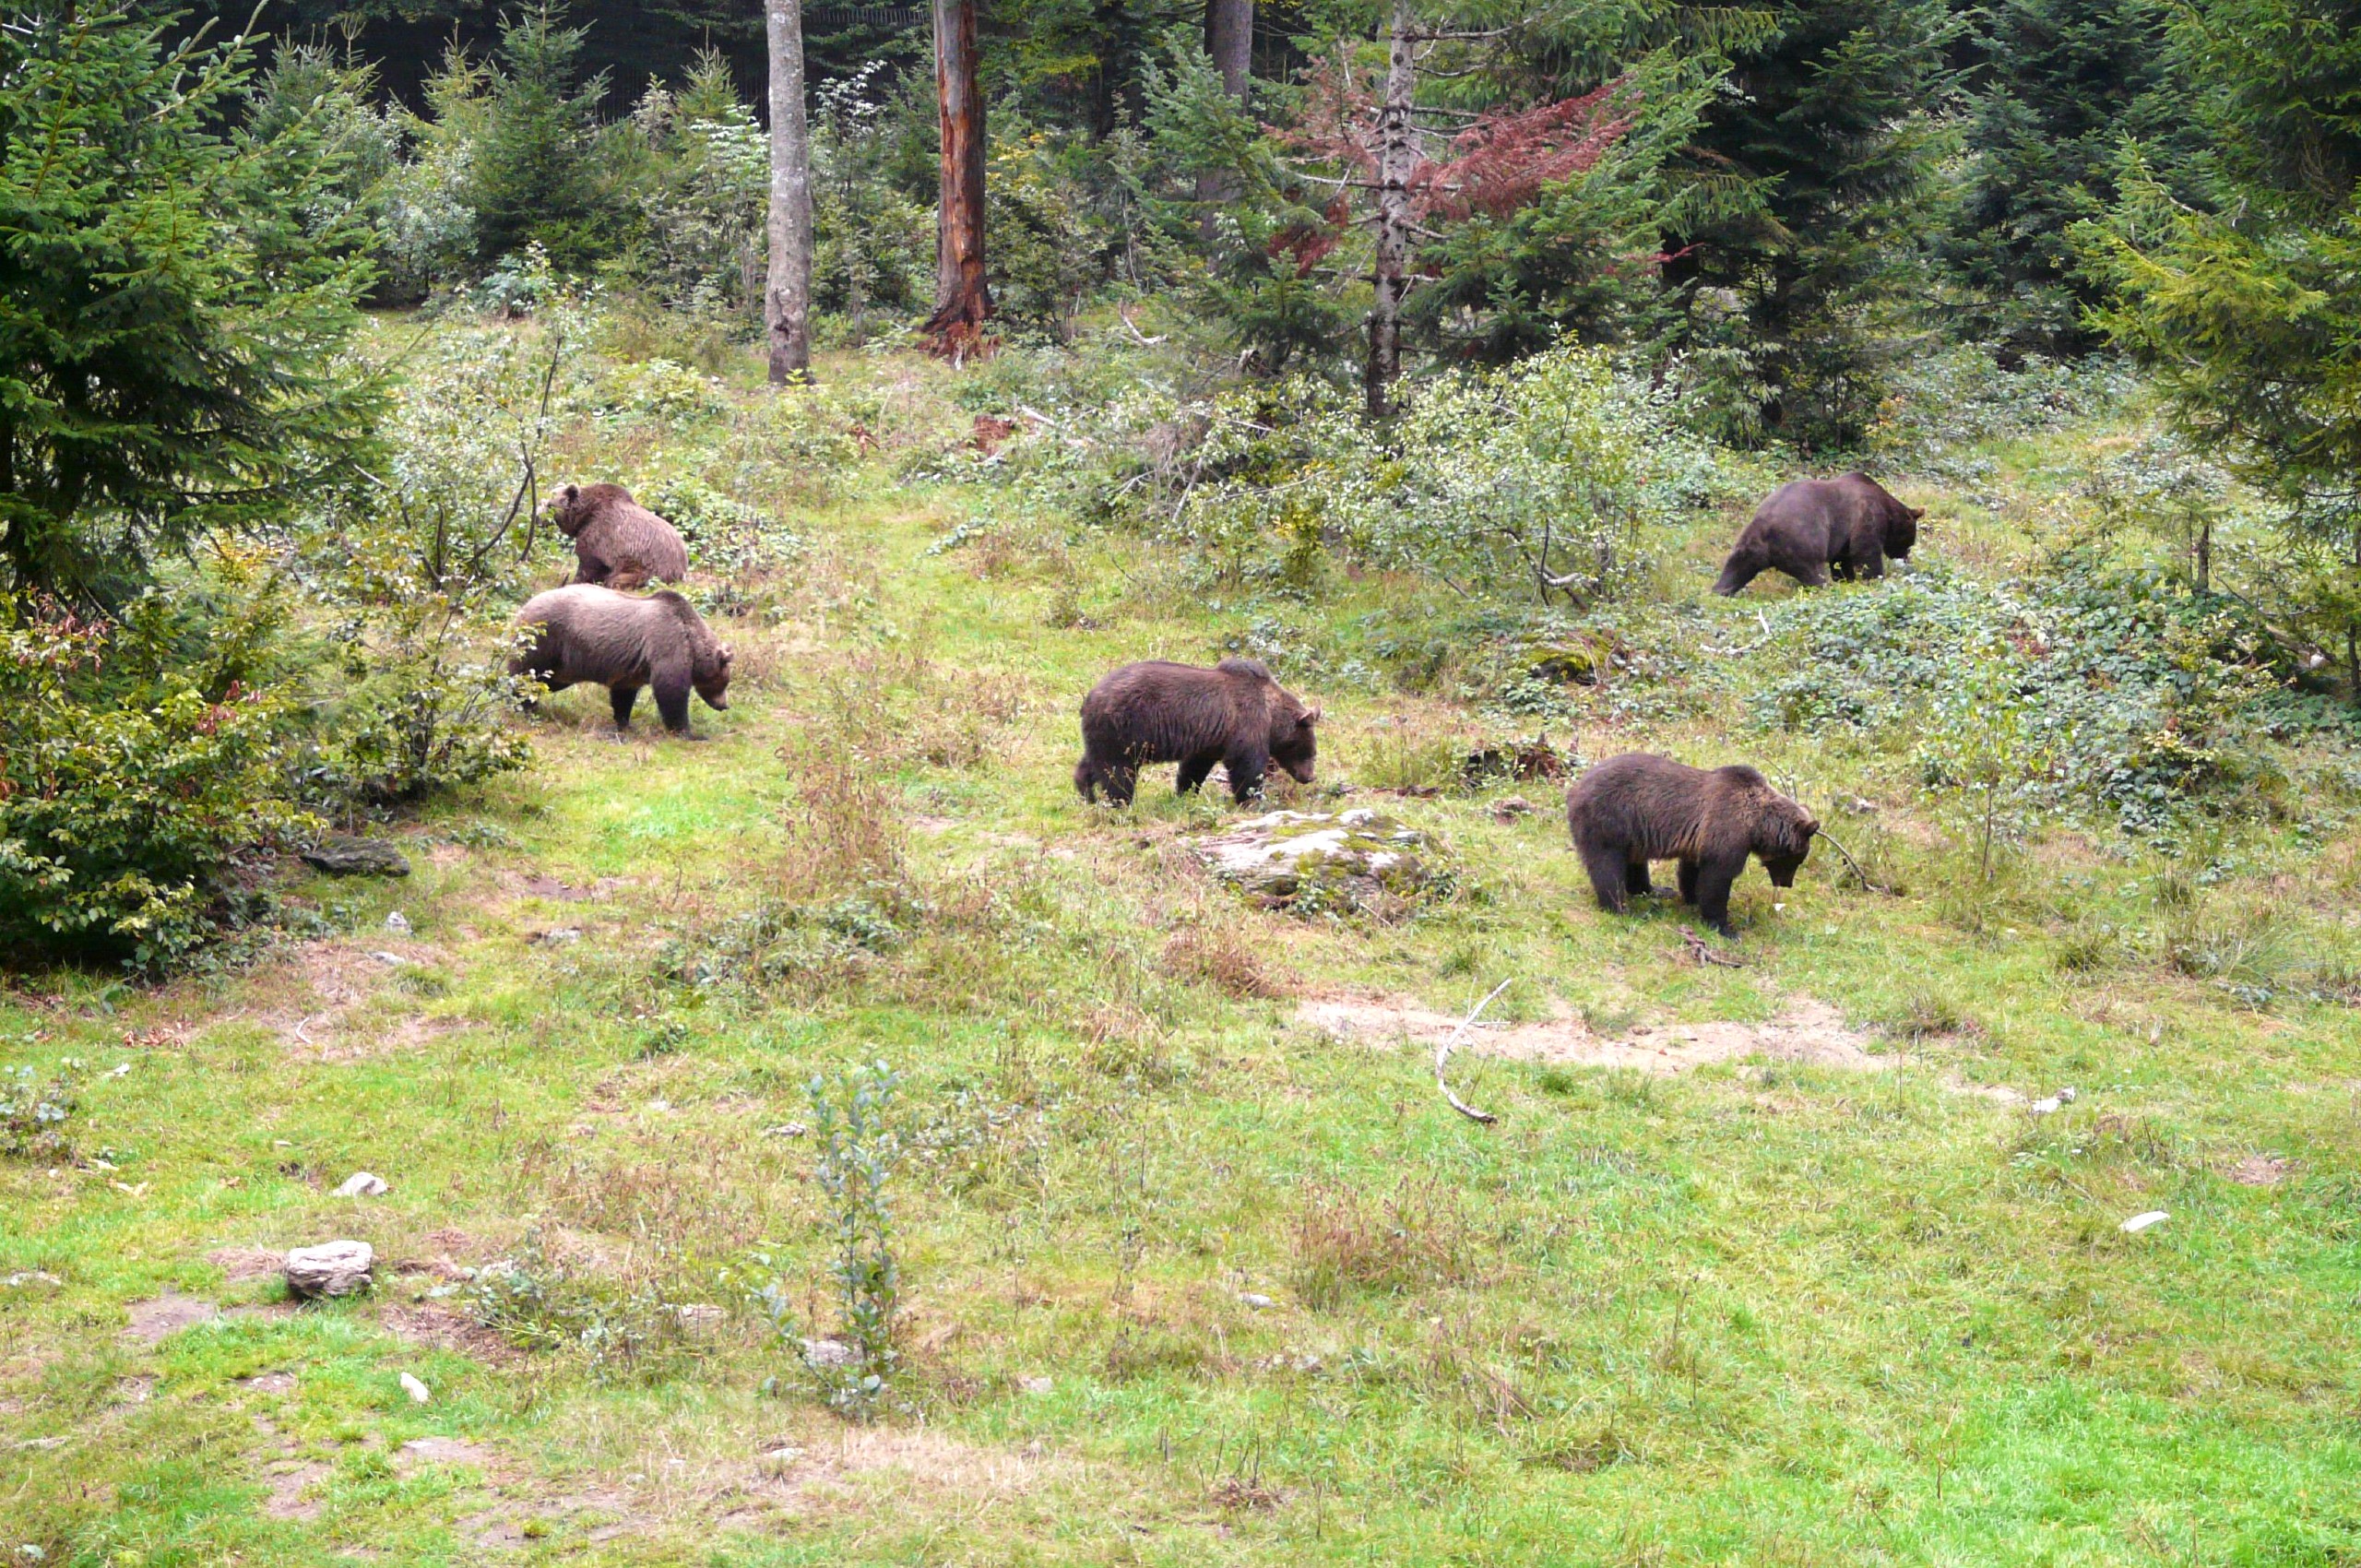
2139	1222
398	923
829	1353
2068	1095
1257	1301
362	1185
2044	1107
415	1389
1037	1384
786	1130
393	959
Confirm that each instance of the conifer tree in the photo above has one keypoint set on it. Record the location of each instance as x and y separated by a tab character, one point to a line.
530	177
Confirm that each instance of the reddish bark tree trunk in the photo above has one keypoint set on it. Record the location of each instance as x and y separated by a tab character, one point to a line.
1229	42
1397	158
963	299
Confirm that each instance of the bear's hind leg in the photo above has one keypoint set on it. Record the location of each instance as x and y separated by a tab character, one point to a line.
1194	771
620	697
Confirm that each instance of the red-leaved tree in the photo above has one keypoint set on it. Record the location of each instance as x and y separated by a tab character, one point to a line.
1504	160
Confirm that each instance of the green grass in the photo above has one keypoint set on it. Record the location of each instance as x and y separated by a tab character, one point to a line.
1760	1313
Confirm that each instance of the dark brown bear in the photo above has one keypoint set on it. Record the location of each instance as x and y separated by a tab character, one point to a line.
1234	714
585	633
1636	808
1814	526
616	540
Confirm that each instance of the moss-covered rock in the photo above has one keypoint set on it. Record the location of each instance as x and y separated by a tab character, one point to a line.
1319	861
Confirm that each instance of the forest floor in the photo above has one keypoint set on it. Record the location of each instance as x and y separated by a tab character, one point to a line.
1772	1263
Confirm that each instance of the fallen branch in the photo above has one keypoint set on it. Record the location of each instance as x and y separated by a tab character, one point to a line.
299	1030
1703	954
1443	1054
1854	863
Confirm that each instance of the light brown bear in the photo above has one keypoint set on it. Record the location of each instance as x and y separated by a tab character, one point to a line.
1234	714
1638	807
616	540
585	633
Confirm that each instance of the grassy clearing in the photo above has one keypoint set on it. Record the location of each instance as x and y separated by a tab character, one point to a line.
1184	1278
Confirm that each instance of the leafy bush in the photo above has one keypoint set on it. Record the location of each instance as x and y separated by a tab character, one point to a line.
2125	694
1536	480
142	770
34	1110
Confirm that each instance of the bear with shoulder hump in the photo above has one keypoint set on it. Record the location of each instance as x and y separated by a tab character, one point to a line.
616	540
1814	527
1638	807
584	634
1235	714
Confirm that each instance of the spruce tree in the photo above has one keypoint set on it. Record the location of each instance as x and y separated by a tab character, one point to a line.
1826	149
174	302
531	177
2062	84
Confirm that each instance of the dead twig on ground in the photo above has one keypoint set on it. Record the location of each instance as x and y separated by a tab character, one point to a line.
1442	1055
1701	953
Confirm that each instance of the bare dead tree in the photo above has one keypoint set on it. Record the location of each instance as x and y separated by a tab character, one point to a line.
963	299
1398	157
787	292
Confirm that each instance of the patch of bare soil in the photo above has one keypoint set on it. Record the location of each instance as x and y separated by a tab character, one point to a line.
442	1451
404	1037
269	1383
1805	1032
541	885
846	1474
154	1321
290	1480
2258	1170
241	1264
424	1322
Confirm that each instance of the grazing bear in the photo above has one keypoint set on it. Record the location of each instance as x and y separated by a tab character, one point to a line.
1814	526
616	540
1636	808
583	631
1234	714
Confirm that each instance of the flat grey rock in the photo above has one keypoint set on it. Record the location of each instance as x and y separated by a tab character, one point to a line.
343	855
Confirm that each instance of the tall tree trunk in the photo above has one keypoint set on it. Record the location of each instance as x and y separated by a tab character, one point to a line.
963	299
787	292
1229	42
1397	156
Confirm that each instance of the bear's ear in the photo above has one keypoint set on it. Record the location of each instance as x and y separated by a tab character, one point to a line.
1915	512
725	656
570	495
1312	716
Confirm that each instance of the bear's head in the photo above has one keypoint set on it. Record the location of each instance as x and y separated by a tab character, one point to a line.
572	508
709	674
1902	529
1783	833
1295	741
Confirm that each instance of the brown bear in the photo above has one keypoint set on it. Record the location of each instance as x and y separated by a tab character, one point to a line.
1234	714
1636	808
1813	526
583	631
616	540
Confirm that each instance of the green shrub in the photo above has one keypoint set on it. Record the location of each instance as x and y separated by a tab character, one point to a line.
139	778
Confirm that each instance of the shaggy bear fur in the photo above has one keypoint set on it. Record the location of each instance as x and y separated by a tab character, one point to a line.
1814	526
585	633
616	540
1234	714
1636	808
